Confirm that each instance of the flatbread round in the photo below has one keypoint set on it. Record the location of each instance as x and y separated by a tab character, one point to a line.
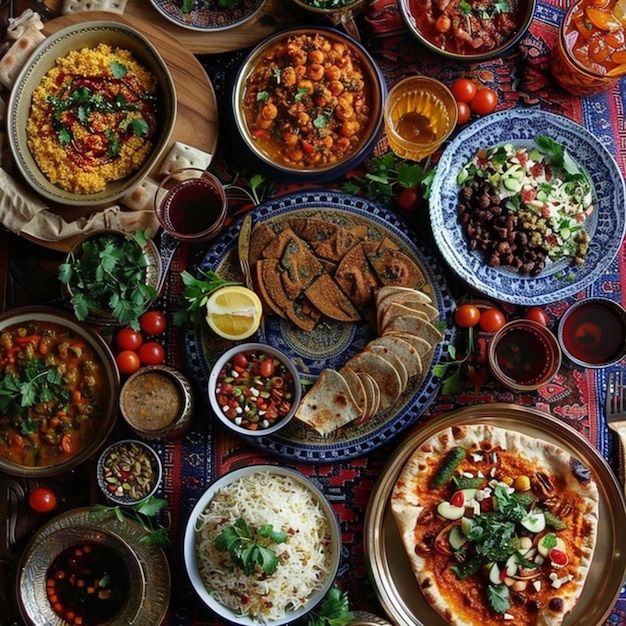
515	548
383	372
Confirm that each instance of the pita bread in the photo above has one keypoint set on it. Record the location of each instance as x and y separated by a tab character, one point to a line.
357	389
414	326
393	358
393	310
410	301
328	405
383	372
388	290
141	197
181	155
79	6
373	396
407	353
422	347
17	55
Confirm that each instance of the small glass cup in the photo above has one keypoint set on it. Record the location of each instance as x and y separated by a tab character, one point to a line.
191	205
572	68
420	113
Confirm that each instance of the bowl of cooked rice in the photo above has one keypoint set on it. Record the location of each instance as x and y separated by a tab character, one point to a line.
293	543
91	113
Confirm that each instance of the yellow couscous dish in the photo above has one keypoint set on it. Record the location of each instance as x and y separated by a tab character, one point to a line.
92	118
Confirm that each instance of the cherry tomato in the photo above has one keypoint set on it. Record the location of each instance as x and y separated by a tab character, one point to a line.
409	199
267	368
42	500
151	353
484	102
127	361
153	322
128	339
463	90
240	360
537	314
492	320
464	113
467	315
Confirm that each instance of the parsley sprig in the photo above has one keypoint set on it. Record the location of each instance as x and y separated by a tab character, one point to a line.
249	548
192	303
453	382
37	382
146	514
333	610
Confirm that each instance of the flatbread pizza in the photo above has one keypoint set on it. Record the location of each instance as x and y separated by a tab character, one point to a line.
499	527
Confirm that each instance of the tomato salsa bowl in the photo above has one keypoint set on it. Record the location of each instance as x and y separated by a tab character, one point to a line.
91	113
485	32
254	389
60	392
308	104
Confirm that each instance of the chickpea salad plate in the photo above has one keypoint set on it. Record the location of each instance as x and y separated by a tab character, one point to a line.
527	165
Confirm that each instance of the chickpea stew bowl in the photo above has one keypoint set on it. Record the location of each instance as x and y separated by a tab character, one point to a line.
60	390
308	104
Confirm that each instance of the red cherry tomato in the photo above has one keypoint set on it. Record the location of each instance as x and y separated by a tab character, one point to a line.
151	353
464	113
463	90
467	315
409	199
240	360
127	361
128	339
537	314
153	322
492	320
42	500
267	368
484	102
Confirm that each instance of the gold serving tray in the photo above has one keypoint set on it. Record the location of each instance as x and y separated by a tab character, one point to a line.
389	566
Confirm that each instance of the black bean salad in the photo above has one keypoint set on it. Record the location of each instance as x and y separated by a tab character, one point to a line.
255	390
526	206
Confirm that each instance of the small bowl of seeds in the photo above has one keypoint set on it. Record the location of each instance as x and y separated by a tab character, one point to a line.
129	472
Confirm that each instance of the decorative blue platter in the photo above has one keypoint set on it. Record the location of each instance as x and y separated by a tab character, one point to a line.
331	343
208	15
558	280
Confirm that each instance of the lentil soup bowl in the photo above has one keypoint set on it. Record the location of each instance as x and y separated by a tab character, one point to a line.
47	134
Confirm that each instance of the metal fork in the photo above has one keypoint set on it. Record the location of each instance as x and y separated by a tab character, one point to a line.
615	411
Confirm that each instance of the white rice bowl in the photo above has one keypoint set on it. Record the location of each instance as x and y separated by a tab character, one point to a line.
308	559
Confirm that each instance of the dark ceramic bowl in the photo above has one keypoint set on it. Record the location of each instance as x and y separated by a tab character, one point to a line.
279	156
524	355
592	332
443	44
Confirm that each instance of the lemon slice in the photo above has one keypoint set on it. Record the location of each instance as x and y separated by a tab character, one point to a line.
234	312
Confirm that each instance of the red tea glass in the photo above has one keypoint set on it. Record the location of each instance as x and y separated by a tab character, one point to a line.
590	54
190	205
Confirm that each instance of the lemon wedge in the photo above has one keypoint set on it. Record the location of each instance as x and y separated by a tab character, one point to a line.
234	312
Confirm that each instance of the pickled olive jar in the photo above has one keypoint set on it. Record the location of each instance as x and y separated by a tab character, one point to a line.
589	55
254	389
157	402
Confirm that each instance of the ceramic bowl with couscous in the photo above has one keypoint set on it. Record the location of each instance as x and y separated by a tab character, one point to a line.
91	113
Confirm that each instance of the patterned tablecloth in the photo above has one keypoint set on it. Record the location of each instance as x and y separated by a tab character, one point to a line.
522	79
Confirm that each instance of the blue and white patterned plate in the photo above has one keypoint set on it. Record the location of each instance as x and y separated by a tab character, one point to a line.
331	343
558	280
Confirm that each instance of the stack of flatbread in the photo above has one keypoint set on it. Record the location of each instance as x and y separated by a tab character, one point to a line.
373	380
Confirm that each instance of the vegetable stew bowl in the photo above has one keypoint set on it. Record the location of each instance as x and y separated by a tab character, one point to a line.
73	38
312	508
35	444
315	126
443	35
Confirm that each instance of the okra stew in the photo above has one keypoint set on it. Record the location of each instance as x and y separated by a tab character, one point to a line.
54	393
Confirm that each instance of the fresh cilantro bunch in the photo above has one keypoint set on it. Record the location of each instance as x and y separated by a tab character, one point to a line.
146	514
250	549
387	176
333	610
108	273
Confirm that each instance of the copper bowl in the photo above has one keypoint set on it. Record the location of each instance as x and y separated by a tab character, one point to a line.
107	400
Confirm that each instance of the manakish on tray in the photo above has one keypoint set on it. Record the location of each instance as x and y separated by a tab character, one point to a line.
311	268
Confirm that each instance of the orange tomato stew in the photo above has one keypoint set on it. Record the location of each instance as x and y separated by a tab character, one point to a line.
52	393
461	27
307	101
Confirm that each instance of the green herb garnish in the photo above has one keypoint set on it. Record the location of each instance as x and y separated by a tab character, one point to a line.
108	273
333	610
192	303
250	549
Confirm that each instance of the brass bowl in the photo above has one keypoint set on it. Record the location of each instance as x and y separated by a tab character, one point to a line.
49	317
75	37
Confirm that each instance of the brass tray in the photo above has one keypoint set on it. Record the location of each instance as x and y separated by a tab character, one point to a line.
389	566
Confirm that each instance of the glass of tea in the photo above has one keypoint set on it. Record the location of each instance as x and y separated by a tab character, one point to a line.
420	113
191	205
592	332
589	56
